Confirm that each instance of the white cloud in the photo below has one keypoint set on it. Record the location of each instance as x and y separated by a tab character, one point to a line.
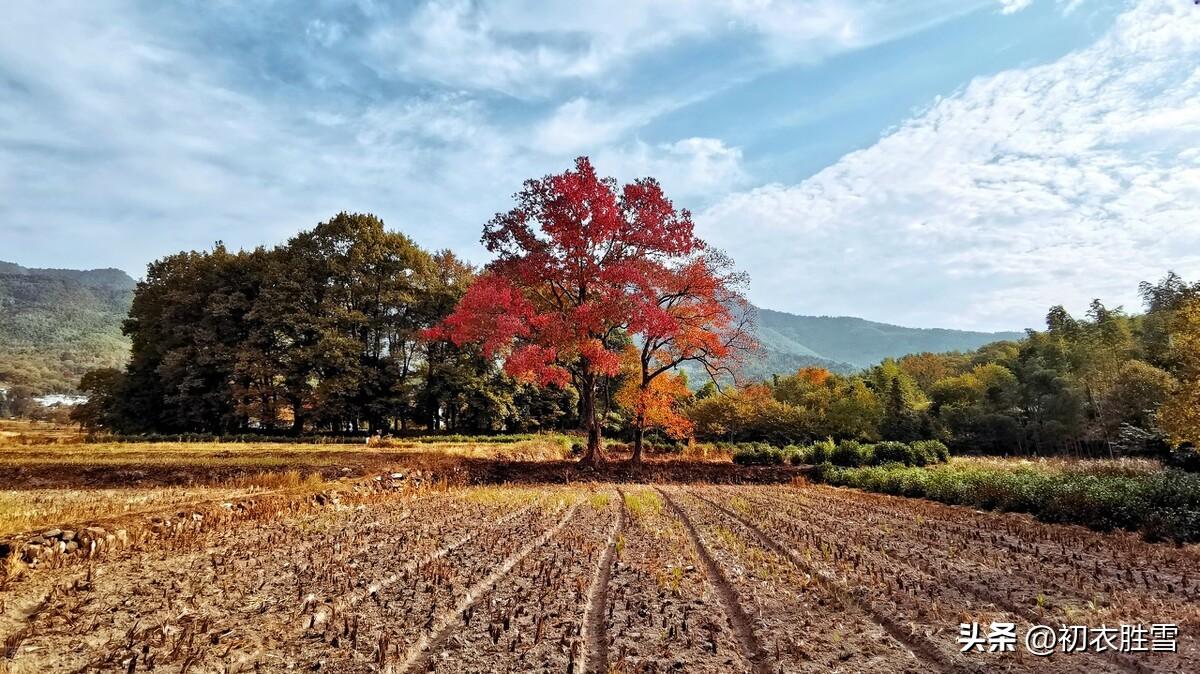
525	48
1013	6
325	33
580	124
129	148
691	170
1051	184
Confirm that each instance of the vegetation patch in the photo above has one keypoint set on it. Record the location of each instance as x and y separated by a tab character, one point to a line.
1161	504
849	453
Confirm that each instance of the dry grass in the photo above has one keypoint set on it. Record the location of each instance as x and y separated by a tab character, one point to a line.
61	478
34	509
1129	467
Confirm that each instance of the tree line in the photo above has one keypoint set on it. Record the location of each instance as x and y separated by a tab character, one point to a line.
1093	385
321	334
597	293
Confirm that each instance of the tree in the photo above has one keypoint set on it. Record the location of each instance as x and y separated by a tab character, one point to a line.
694	312
1138	394
18	401
1180	413
187	319
1161	300
104	388
575	266
900	420
653	402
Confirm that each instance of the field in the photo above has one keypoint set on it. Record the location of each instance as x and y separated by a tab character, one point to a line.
401	571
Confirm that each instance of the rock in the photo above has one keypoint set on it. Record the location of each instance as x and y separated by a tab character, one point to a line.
52	533
72	546
68	535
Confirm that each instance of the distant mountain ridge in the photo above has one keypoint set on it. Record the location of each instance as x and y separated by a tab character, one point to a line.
106	279
855	343
56	324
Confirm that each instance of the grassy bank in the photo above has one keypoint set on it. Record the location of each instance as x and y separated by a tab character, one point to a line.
1102	495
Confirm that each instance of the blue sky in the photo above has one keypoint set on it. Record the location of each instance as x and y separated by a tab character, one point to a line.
957	163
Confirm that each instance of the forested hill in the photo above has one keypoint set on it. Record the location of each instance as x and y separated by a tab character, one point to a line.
853	343
56	324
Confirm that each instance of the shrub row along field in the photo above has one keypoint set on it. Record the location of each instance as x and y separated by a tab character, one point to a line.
603	578
844	453
1162	504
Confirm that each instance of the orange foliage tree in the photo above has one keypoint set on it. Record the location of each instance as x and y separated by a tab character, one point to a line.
655	405
695	312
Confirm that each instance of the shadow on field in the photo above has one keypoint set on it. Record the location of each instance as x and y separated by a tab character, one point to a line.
222	469
652	471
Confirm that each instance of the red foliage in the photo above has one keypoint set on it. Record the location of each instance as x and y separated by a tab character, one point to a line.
578	261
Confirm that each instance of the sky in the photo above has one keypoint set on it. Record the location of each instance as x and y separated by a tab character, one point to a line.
930	163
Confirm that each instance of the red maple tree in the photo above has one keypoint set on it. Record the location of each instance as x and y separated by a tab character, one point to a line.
580	262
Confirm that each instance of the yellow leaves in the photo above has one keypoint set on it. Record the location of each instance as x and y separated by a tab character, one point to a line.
1179	416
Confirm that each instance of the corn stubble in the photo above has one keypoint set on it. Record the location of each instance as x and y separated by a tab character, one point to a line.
596	578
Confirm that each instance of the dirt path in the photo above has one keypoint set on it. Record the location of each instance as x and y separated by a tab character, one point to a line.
738	618
595	629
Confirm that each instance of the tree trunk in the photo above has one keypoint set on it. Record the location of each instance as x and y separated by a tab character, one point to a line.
639	433
297	418
594	454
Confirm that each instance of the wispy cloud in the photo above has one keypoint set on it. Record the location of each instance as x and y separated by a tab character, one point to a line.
1059	182
528	48
1013	6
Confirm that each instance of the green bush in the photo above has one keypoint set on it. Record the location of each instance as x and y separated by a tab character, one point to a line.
894	452
847	453
759	454
851	453
1186	458
932	451
1164	505
819	452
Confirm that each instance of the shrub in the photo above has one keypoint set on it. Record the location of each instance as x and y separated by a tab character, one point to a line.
933	451
758	454
1185	457
851	453
1163	505
894	452
820	452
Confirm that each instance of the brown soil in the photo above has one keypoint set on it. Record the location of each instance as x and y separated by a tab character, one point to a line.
679	578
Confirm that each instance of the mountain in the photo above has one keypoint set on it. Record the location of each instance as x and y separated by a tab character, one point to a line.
843	343
56	324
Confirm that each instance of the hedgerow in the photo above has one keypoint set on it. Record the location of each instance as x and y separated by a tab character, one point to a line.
1163	505
848	453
